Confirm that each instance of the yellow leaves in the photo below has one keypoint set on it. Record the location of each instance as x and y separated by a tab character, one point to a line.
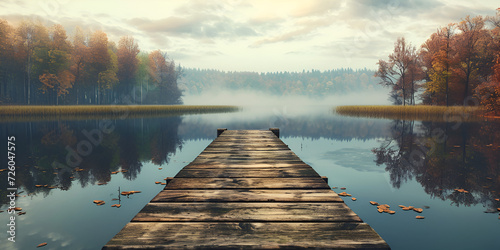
42	244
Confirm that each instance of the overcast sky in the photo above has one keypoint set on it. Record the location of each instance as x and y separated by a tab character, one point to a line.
262	35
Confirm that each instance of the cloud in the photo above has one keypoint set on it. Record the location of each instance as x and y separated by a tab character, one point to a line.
194	26
317	8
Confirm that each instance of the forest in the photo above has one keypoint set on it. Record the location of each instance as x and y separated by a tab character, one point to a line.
43	66
458	65
314	83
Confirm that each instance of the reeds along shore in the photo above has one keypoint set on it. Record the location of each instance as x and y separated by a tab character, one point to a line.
419	112
34	113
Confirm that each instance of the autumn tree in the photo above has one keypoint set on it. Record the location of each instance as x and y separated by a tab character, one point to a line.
471	51
98	61
79	61
436	57
56	77
32	39
6	59
127	63
400	70
164	78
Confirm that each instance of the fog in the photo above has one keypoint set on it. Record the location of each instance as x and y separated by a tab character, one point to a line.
273	111
253	98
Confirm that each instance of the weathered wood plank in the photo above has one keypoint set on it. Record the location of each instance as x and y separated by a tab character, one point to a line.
246	165
245	235
229	162
253	173
246	212
248	195
256	183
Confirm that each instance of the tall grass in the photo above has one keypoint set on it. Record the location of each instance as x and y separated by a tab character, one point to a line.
419	112
35	113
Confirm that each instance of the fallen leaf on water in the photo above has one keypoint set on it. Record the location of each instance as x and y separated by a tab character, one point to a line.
498	209
135	192
163	183
332	187
1	170
374	203
410	207
401	206
342	188
418	210
157	182
126	193
419	217
71	177
116	205
102	183
427	207
51	187
344	194
15	209
21	213
114	199
160	168
124	171
380	210
489	178
99	202
497	199
38	186
114	172
406	208
42	244
392	212
1	211
354	199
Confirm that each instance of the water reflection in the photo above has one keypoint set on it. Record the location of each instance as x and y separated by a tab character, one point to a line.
60	154
444	157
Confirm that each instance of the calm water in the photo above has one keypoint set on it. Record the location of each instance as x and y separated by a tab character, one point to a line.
391	162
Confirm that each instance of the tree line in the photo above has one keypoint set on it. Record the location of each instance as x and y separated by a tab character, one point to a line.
313	83
42	65
458	65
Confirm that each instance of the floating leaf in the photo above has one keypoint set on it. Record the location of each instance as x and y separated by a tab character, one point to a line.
99	202
160	168
374	203
497	199
401	206
157	182
116	205
163	183
102	183
418	210
42	244
38	186
332	187
126	193
392	212
419	217
115	172
114	199
354	199
21	213
342	188
344	194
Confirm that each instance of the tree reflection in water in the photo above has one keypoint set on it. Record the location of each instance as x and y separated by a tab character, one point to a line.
444	157
124	149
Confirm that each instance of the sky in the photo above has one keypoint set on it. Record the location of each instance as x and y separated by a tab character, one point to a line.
260	35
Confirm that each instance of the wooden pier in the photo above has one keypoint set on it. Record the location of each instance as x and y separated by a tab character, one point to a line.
247	189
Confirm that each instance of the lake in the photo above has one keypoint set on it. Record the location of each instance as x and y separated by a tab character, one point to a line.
451	170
